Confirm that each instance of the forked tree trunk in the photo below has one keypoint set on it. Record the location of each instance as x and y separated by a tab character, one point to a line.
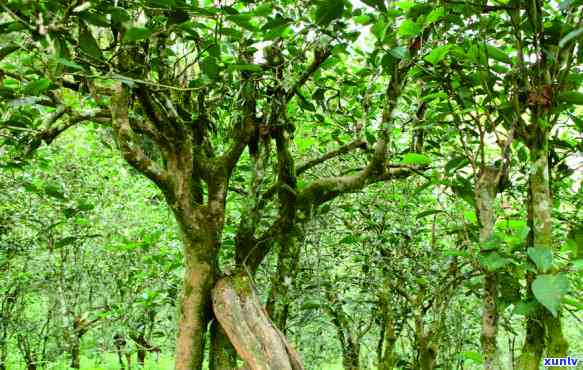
255	338
485	195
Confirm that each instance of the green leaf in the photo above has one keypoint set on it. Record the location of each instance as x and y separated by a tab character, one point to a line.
388	63
570	37
7	50
498	54
37	87
65	241
85	206
472	356
54	191
525	308
165	4
493	261
329	10
246	67
436	55
362	19
243	21
119	15
549	290
435	15
263	10
577	265
542	258
428	213
210	67
409	29
571	97
95	19
348	239
456	163
68	63
379	30
415	159
89	45
399	52
136	34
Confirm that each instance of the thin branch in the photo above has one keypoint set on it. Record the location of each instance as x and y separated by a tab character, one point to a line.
359	143
302	168
319	58
50	133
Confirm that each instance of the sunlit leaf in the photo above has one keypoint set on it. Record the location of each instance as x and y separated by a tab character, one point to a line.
549	290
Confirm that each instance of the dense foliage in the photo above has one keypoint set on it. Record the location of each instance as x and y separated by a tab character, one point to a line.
290	184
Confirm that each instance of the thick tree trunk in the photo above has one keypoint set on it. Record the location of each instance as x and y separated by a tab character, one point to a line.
485	195
222	354
199	276
257	341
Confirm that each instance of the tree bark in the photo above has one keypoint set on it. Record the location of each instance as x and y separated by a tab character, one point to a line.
351	356
426	350
259	343
427	354
485	195
287	266
222	355
76	352
389	338
199	276
543	331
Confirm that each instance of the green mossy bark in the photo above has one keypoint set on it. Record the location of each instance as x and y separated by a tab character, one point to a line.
544	332
222	354
485	196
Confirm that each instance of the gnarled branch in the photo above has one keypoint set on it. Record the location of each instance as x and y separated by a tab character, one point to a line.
125	137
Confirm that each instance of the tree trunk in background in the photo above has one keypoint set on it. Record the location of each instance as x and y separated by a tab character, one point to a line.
426	350
256	339
543	331
485	195
222	355
351	356
143	347
389	337
76	352
427	354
